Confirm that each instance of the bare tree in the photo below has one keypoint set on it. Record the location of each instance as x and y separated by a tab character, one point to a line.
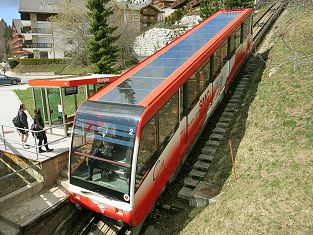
127	31
70	31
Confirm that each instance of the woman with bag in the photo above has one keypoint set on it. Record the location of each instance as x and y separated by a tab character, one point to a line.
41	136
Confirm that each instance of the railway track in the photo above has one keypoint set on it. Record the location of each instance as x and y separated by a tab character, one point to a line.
196	180
99	225
196	187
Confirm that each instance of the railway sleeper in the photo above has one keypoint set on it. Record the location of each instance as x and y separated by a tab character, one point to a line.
185	193
225	119
218	137
239	91
232	105
241	85
228	115
190	182
197	174
212	143
202	165
206	157
221	125
238	94
209	150
219	130
235	100
232	109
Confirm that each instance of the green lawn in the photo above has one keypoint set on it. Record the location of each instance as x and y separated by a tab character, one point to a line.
69	106
274	144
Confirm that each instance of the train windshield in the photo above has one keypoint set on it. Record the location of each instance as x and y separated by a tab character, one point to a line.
102	148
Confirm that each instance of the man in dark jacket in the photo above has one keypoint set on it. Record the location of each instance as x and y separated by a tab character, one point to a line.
23	119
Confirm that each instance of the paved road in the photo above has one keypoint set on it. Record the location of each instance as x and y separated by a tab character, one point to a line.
25	79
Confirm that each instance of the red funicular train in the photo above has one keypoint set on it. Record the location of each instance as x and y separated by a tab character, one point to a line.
130	137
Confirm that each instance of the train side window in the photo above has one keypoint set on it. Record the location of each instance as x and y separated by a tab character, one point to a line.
181	103
224	53
193	91
168	121
251	24
241	32
147	154
204	76
229	48
217	62
237	38
211	78
245	28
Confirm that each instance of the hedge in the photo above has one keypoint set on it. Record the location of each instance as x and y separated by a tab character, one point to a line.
42	61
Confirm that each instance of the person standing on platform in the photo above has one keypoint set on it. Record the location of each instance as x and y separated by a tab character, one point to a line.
24	124
41	136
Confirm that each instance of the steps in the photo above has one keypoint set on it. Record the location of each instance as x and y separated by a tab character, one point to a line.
196	187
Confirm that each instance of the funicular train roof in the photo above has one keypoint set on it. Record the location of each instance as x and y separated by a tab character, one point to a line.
139	82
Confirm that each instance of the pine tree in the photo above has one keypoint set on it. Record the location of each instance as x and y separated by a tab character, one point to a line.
102	51
208	7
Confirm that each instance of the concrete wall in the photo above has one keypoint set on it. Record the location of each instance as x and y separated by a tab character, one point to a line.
51	169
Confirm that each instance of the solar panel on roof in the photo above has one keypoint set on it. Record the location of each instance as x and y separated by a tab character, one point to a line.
135	88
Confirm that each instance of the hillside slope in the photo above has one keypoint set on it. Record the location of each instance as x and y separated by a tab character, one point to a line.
274	190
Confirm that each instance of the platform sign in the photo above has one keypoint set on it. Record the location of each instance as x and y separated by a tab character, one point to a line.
70	90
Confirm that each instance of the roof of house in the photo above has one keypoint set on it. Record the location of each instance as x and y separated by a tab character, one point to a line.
135	4
45	6
18	25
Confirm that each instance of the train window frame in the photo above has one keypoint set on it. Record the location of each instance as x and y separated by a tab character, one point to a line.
224	57
229	51
212	78
238	35
242	32
218	57
153	157
204	72
191	103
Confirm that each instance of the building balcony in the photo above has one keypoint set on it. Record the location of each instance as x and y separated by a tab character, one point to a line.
37	45
36	31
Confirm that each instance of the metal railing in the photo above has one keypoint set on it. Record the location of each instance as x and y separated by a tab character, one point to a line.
7	141
36	30
38	45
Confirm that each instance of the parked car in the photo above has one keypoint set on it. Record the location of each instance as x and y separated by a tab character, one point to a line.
9	80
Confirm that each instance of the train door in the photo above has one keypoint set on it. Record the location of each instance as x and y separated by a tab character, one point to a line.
183	106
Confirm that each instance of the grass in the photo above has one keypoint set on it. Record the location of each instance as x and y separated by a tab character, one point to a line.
69	106
274	190
26	97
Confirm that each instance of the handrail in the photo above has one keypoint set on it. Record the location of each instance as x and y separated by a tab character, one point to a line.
18	171
6	140
24	129
103	159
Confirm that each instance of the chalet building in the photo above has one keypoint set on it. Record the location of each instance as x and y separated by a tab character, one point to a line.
149	15
17	39
138	15
36	30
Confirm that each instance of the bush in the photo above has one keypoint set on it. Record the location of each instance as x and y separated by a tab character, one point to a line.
13	63
42	61
176	16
